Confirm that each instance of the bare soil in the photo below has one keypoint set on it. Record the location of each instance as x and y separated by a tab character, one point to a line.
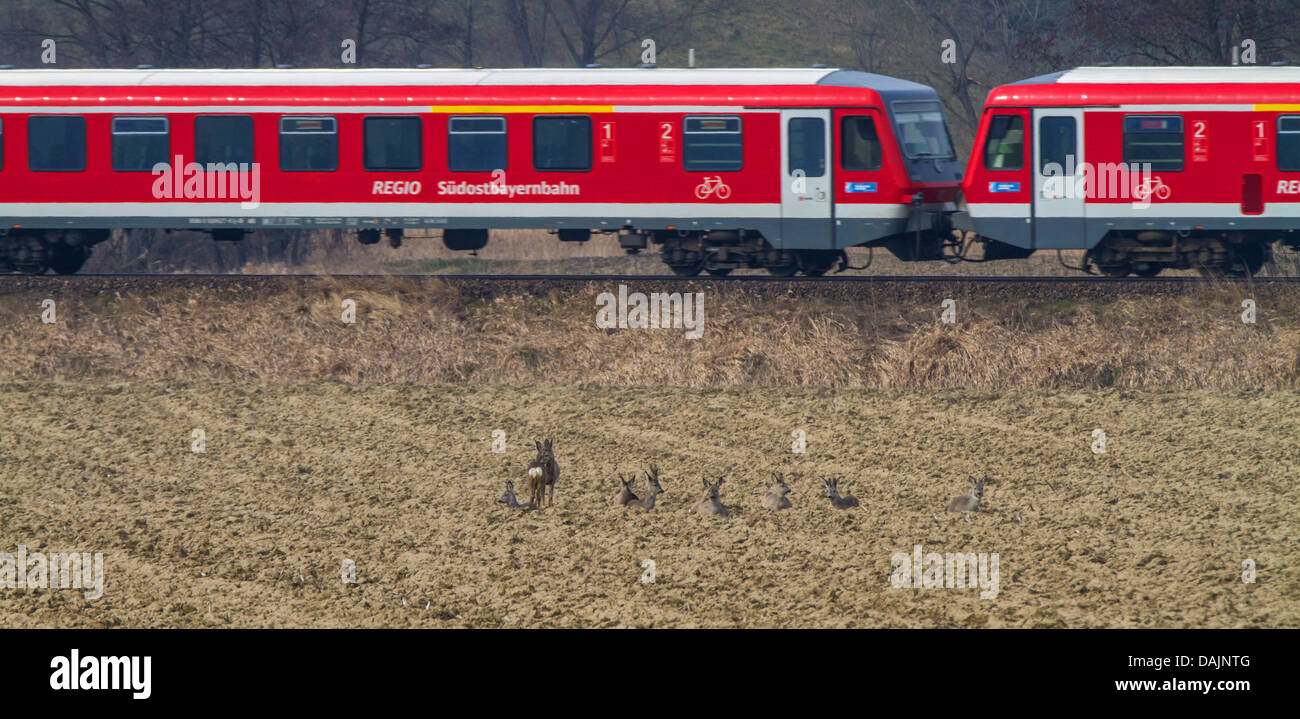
401	479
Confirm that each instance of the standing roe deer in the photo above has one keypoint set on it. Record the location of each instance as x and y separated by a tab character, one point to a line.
542	473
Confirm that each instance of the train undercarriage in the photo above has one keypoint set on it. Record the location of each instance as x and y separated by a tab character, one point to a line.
1213	253
38	251
719	252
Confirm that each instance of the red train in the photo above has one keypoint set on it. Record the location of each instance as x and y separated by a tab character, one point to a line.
772	168
1144	168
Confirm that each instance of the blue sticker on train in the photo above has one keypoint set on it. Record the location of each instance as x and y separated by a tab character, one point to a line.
1004	187
859	187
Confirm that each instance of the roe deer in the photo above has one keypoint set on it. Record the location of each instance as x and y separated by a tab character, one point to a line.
833	493
626	496
542	473
653	489
510	500
775	498
710	503
968	503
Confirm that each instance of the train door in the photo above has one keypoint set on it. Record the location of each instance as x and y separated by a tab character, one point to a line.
806	198
1059	191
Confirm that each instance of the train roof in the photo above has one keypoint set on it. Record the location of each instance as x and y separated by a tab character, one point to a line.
419	77
1240	85
731	87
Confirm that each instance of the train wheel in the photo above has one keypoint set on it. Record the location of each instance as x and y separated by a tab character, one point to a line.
1116	269
720	271
816	263
783	270
1248	259
687	270
25	251
67	259
1148	269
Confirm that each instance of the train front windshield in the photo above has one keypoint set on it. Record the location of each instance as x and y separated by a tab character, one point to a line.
921	130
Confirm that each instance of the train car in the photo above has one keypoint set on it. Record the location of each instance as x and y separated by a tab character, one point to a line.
773	168
1143	167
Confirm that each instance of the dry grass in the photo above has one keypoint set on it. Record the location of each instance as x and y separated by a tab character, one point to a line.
427	332
401	480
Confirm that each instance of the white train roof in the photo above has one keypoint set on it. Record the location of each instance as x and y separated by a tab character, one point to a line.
418	76
1177	75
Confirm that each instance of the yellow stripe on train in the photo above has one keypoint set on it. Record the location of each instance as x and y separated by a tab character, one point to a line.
1278	108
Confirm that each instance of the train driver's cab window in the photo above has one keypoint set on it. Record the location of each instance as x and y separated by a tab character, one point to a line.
1157	139
223	139
712	144
562	142
139	143
309	144
921	129
56	143
859	144
1004	148
1288	143
392	143
476	143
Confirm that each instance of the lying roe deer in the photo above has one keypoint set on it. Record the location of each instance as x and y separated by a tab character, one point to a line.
833	493
510	500
542	473
775	497
710	504
968	503
626	496
653	489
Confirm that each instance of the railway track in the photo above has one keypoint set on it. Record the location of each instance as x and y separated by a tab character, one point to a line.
859	290
704	279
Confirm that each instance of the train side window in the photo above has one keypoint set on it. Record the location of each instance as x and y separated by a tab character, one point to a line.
859	144
223	139
713	144
2	144
1056	144
806	146
1288	143
309	144
56	143
1004	149
1155	139
562	143
476	143
139	143
393	143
